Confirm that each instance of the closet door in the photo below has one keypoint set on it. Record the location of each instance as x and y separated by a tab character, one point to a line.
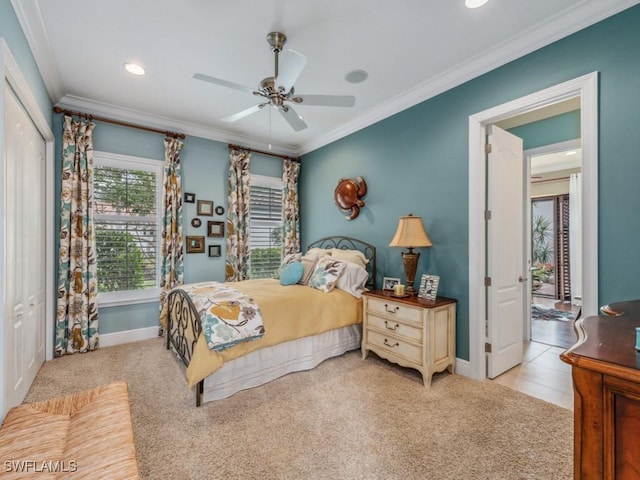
24	278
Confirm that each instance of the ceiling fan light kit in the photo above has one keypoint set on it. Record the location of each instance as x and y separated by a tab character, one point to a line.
278	91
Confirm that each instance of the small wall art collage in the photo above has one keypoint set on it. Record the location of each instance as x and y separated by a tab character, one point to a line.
215	228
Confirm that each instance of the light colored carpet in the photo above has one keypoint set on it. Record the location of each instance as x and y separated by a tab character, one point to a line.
347	419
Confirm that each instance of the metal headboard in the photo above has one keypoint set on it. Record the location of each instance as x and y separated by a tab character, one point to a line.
349	243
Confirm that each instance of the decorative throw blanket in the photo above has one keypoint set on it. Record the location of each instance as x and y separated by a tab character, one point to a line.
228	315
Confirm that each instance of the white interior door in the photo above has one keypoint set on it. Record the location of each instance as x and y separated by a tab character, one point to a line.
24	278
505	251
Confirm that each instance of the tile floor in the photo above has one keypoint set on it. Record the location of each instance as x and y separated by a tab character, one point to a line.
542	375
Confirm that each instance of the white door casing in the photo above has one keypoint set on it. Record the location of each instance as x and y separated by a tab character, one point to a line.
12	77
505	251
24	334
585	88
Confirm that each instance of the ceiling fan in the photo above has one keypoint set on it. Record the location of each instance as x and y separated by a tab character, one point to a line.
278	90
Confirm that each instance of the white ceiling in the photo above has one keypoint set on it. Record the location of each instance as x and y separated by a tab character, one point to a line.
412	50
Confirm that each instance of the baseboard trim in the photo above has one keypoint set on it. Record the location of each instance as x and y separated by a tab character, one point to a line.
463	367
128	336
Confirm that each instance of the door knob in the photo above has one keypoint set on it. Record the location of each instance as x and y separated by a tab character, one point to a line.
522	279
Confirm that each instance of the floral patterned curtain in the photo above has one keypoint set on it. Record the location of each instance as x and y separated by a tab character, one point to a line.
172	272
77	309
290	207
238	266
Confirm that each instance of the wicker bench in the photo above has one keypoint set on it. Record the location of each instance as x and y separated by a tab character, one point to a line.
86	435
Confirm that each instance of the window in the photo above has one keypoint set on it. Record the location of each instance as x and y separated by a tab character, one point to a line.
127	215
265	234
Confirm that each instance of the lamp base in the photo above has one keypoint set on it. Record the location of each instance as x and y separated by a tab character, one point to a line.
410	263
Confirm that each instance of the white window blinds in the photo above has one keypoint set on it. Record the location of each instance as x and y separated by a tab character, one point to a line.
266	226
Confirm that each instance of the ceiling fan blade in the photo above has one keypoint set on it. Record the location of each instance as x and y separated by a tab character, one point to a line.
292	118
292	65
244	113
327	100
224	83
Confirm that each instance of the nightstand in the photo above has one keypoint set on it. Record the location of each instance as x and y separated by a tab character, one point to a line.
410	331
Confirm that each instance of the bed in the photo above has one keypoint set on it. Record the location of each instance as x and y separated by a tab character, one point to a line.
324	325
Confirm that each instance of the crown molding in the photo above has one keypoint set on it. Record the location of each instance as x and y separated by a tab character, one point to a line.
565	23
85	105
32	24
561	25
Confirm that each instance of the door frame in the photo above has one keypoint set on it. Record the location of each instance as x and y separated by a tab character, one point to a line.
586	88
11	74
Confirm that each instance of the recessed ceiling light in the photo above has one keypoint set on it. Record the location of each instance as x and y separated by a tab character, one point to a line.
474	3
134	69
572	152
356	76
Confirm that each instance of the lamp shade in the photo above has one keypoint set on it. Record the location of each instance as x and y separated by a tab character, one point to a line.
410	233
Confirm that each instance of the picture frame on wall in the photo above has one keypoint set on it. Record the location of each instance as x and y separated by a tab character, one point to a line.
389	282
189	197
429	287
205	208
195	244
215	250
215	229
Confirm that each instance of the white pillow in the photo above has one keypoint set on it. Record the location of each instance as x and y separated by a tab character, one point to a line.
353	256
316	254
325	275
353	279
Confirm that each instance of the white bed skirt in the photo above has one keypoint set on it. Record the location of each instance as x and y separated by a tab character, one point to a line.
267	364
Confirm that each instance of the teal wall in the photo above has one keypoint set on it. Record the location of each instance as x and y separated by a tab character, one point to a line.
550	130
12	34
417	161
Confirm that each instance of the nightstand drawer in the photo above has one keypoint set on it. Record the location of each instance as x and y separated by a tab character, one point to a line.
395	309
396	346
396	328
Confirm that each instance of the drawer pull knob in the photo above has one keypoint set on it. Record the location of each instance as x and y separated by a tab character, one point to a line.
386	307
389	345
392	327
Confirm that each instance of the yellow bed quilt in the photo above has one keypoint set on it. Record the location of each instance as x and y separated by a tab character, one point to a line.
288	313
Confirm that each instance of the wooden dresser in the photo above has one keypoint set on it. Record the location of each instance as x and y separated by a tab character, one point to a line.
606	382
411	331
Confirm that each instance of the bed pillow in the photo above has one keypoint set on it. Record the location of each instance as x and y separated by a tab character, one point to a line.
316	254
325	275
291	274
308	265
289	258
353	279
353	256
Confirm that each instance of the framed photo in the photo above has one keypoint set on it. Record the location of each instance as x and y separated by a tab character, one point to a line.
219	210
215	250
195	244
215	229
189	197
205	208
196	222
429	287
389	282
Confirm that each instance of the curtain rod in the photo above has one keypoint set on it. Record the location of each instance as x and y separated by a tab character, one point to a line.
88	116
261	152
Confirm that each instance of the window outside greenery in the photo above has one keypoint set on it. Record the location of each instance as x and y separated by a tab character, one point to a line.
127	225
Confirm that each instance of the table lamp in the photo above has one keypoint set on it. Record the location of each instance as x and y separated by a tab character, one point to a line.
410	234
